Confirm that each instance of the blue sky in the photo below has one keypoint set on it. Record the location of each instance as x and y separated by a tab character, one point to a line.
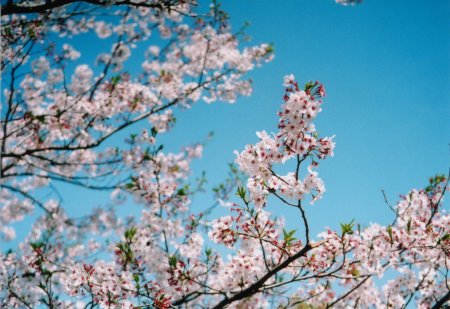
385	65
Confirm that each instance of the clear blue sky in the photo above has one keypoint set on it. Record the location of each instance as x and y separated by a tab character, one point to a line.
386	68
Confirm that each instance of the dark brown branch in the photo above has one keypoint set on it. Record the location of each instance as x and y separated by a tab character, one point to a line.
348	293
14	8
100	140
305	221
253	289
26	195
416	289
436	207
440	303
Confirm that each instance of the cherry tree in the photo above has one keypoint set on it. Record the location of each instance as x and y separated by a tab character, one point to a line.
59	116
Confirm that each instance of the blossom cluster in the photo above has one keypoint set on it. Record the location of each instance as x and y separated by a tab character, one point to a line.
59	118
163	260
296	139
61	113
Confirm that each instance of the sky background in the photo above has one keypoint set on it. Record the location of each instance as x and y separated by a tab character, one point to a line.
386	69
385	66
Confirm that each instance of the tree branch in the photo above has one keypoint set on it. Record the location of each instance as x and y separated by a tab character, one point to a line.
14	8
251	290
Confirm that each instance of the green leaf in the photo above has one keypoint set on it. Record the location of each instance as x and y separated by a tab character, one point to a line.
37	245
389	231
347	228
291	233
129	186
446	237
183	191
434	182
120	246
147	155
173	261
309	85
241	193
130	233
408	226
355	272
40	118
288	236
208	253
115	79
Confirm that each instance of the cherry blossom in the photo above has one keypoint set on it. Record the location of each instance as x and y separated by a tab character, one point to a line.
60	112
